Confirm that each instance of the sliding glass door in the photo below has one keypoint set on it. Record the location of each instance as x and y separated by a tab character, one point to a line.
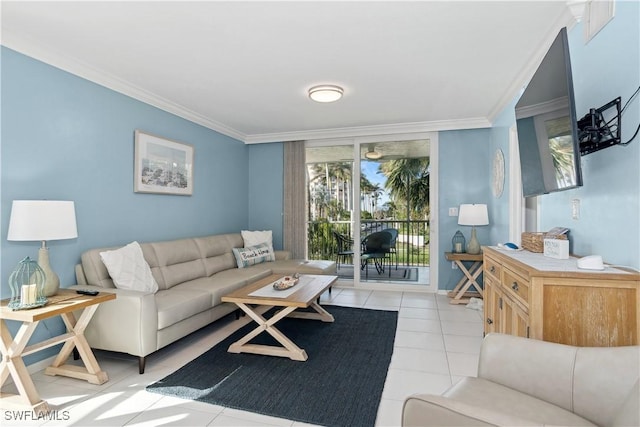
359	192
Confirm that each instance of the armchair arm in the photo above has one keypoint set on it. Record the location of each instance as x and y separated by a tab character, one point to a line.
430	410
128	324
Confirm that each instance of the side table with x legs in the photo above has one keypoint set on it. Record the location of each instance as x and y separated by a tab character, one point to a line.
462	293
14	348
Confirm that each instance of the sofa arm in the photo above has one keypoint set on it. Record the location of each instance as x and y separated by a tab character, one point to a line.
281	255
128	324
431	410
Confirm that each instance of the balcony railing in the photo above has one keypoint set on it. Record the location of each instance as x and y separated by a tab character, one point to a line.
412	244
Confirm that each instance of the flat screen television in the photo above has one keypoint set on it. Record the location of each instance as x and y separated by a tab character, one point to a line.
547	126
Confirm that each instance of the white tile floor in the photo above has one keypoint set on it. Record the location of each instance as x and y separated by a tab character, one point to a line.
436	344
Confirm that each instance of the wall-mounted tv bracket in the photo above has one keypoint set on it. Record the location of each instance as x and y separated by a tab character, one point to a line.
596	133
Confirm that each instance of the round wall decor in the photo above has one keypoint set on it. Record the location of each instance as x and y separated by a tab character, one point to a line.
498	173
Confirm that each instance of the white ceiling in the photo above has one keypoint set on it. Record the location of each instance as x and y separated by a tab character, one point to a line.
243	68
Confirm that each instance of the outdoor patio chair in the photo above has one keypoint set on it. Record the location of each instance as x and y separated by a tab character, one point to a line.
345	248
377	247
392	249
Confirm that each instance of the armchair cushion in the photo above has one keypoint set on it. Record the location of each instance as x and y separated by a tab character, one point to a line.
523	381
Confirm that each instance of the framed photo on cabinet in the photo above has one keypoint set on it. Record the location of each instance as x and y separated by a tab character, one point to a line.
162	166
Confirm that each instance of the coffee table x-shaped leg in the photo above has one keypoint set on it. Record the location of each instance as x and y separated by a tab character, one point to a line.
289	348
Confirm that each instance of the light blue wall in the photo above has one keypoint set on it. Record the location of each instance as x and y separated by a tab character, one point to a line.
607	67
499	206
66	138
463	163
266	190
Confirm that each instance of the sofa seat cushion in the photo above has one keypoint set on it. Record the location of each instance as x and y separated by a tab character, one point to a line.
486	394
175	305
224	282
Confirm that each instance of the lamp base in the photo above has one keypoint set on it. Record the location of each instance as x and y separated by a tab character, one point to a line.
473	247
52	282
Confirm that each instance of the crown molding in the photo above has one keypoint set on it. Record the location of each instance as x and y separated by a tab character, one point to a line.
542	108
85	71
359	131
79	68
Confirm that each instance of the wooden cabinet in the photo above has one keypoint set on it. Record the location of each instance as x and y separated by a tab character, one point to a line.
530	295
492	306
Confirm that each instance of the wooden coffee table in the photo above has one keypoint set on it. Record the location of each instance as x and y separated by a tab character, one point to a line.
261	293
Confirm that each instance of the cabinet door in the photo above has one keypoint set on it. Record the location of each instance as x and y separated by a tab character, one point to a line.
492	315
515	320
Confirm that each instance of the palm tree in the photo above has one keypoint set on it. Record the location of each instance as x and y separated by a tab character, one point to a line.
342	173
375	193
332	181
408	184
366	188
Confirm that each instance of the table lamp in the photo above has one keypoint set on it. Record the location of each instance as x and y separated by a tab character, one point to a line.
42	220
472	214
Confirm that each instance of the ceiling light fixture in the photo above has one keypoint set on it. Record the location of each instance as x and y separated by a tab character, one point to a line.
325	93
372	154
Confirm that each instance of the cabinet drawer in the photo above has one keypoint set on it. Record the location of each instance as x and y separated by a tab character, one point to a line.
492	267
516	286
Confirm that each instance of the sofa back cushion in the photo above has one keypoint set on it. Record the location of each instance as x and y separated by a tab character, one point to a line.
174	262
216	251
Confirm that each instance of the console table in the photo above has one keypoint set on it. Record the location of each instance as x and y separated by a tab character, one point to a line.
534	296
15	348
463	292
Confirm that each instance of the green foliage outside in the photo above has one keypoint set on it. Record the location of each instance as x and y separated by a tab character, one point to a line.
331	201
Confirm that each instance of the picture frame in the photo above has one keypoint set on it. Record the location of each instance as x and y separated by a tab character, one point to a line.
162	166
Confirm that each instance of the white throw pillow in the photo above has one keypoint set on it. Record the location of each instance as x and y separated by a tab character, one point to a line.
253	255
128	268
254	238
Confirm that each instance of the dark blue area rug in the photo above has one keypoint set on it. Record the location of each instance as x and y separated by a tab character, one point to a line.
339	385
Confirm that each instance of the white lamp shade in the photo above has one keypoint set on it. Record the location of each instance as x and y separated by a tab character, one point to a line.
473	215
44	220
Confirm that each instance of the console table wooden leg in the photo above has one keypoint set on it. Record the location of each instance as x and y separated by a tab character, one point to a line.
12	364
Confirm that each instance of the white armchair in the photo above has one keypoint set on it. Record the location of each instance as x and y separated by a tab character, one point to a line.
525	382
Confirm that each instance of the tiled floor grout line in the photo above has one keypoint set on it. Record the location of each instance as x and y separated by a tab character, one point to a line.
457	361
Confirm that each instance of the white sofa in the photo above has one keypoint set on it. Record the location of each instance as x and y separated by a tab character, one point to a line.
192	275
525	382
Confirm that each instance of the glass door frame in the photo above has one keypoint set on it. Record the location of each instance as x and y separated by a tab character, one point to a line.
357	142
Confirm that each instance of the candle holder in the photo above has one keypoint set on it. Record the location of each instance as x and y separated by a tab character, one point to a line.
27	286
458	243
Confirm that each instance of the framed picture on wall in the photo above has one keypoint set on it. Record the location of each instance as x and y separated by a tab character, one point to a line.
162	166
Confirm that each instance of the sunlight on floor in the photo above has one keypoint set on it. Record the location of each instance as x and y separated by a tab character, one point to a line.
436	344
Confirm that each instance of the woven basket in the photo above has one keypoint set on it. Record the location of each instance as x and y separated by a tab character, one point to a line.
534	242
